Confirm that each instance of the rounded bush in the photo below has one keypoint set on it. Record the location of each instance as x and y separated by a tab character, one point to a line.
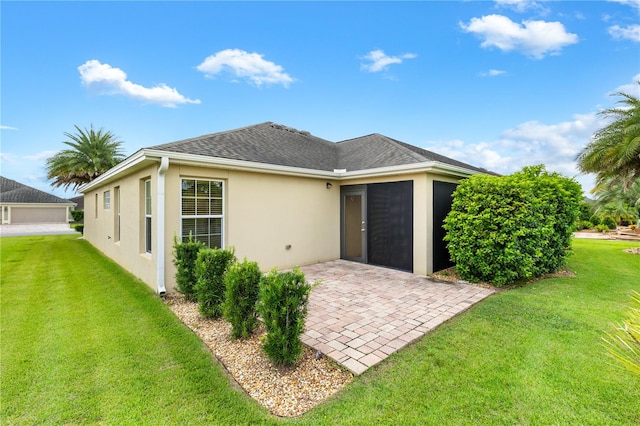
502	229
595	220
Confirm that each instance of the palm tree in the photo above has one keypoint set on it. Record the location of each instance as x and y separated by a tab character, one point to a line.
614	151
93	153
612	198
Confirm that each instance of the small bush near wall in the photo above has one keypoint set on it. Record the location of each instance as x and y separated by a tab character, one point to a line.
283	306
78	227
211	266
77	215
242	284
502	229
184	257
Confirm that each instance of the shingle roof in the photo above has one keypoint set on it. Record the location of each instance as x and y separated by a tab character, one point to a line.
272	143
268	143
15	192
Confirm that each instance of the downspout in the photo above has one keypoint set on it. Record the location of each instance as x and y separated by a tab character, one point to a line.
160	228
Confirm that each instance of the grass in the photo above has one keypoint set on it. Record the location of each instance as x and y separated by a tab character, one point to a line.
85	342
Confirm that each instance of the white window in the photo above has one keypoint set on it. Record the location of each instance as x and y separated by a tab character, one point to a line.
107	199
202	211
147	215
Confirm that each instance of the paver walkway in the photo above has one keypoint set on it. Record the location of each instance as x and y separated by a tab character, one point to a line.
361	314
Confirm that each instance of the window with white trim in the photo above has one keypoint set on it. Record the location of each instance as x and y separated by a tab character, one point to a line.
147	215
202	207
106	200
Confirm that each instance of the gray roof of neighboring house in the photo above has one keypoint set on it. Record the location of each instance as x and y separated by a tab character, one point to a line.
79	200
272	143
15	192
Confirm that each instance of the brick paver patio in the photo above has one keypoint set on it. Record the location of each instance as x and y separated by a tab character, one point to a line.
361	314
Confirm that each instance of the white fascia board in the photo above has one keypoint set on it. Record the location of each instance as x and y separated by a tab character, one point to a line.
146	155
12	204
432	166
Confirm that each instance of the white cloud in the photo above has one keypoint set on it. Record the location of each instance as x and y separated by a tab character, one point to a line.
529	143
251	66
8	128
40	156
630	32
520	5
632	88
8	158
492	73
378	61
113	81
633	3
532	38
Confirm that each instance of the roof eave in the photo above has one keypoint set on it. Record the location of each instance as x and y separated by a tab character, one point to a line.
145	156
423	167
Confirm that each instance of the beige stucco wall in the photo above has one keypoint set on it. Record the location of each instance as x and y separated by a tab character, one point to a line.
100	224
263	214
276	220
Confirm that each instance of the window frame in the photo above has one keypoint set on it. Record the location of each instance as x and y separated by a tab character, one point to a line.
106	199
148	221
116	200
198	215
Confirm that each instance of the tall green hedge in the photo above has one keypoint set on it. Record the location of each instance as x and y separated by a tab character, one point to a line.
184	257
283	306
502	229
242	283
211	266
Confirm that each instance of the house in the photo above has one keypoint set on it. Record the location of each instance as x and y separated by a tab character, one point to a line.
279	196
22	204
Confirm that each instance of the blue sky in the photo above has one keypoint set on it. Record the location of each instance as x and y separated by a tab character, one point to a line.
498	84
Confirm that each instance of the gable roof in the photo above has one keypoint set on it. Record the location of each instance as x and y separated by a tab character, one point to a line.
267	143
272	143
15	192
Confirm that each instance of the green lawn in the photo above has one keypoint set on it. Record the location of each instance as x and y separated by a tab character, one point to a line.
84	342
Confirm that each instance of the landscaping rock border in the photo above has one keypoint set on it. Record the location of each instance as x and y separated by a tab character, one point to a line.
286	392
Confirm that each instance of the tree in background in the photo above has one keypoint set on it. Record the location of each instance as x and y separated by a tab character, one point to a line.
613	199
614	151
92	153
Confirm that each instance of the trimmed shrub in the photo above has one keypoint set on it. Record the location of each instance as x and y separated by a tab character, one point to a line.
503	229
78	227
585	211
77	215
211	266
584	224
283	307
595	220
242	287
609	222
185	255
602	228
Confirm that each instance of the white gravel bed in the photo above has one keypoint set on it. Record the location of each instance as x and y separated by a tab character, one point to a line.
286	392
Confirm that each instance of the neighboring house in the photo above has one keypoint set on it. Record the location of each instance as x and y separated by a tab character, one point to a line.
279	196
79	200
23	204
